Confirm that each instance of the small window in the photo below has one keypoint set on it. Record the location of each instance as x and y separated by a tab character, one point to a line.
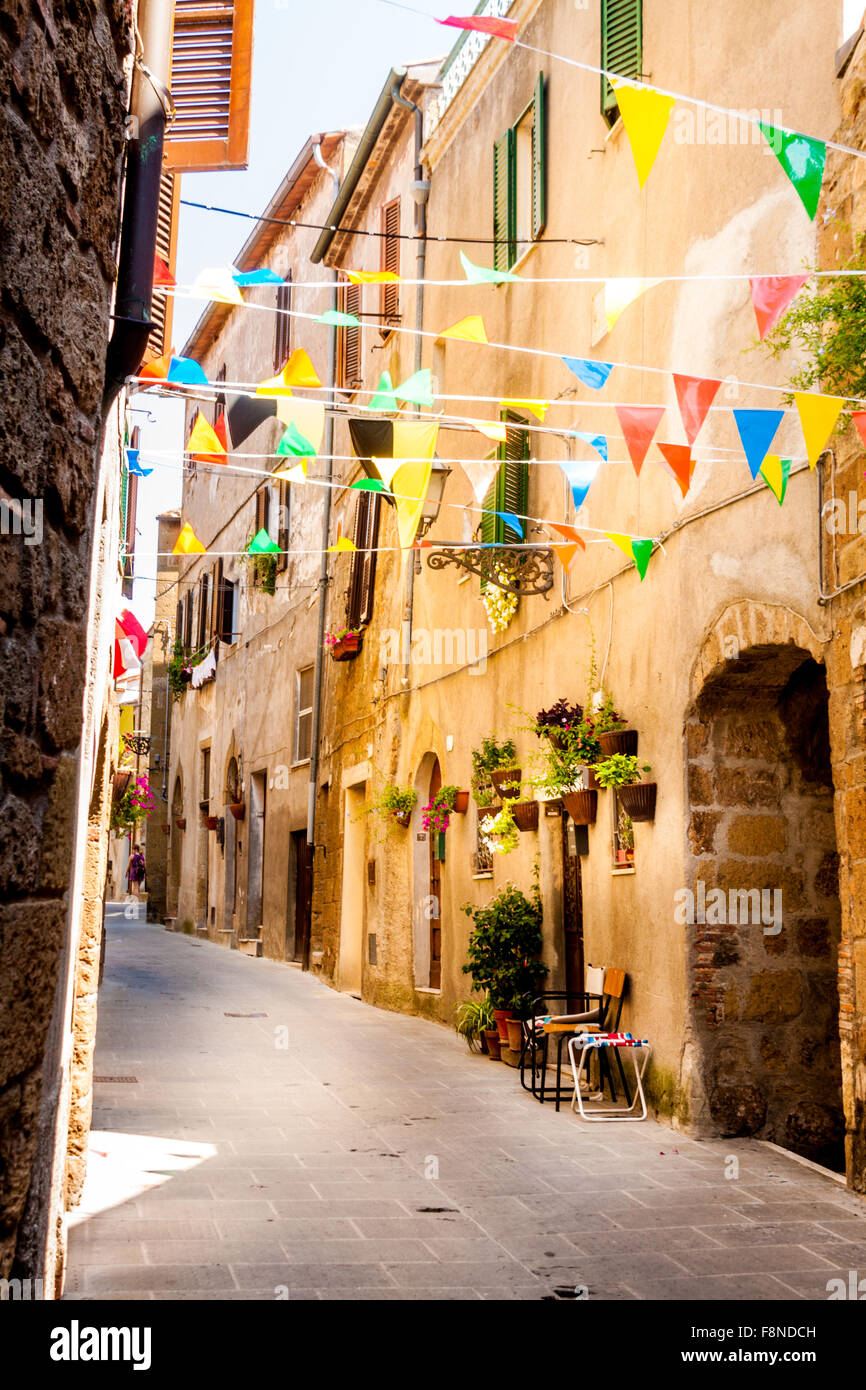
389	302
362	577
621	48
284	503
519	183
219	405
203	611
623	835
283	327
304	715
349	340
205	774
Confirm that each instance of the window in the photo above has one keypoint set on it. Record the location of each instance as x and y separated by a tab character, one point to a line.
621	47
283	522
203	611
187	619
283	327
389	300
205	774
262	521
519	190
219	404
304	715
225	626
509	491
359	595
211	58
623	835
349	340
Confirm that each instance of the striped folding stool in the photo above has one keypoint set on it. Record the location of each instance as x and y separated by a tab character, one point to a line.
583	1043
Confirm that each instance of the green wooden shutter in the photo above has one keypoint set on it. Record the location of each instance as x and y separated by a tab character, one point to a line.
539	196
512	482
504	219
621	47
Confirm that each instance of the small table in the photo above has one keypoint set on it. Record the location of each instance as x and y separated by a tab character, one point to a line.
583	1042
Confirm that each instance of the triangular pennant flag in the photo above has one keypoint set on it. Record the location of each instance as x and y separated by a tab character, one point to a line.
336	319
203	441
343	544
415	439
802	159
243	278
133	465
591	373
619	293
245	414
480	275
261	544
161	273
184	371
566	553
386	468
373	277
219	429
216	283
188	542
581	475
858	418
757	429
538	408
368	485
126	662
417	389
297	473
157	369
596	441
295	443
468	330
132	628
695	395
485	24
410	485
636	548
480	473
771	295
774	471
682	465
818	415
638	423
307	416
512	520
384	398
645	115
299	370
492	429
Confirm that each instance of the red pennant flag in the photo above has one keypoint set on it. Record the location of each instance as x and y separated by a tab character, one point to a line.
485	24
219	429
771	295
134	631
682	465
695	395
859	418
638	426
161	273
567	553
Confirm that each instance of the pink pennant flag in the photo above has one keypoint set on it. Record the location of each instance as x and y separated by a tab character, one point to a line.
695	395
771	295
638	427
485	24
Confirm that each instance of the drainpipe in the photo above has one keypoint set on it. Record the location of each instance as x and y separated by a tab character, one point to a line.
322	584
150	108
420	194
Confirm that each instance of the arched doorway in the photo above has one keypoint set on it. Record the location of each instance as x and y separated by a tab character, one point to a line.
761	904
176	847
426	882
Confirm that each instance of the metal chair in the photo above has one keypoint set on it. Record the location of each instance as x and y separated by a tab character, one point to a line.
590	1013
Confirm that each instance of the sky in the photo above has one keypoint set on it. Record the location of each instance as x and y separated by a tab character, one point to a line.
317	65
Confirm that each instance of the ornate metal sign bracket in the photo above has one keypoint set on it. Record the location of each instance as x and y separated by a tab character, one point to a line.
518	571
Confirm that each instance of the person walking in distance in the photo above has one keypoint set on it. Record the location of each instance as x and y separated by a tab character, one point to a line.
135	872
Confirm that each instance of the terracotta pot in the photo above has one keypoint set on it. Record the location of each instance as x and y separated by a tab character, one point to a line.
618	741
515	1034
639	800
181	822
581	806
525	815
347	648
402	818
119	784
502	1016
166	829
238	809
461	803
590	781
501	779
482	1042
493	1049
212	822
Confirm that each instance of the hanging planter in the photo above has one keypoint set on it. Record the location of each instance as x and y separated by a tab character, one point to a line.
238	809
506	780
212	822
525	815
492	756
639	800
618	741
166	829
590	781
581	806
119	784
402	818
180	822
461	803
436	815
344	644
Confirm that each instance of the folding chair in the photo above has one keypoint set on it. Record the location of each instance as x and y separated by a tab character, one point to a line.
601	1043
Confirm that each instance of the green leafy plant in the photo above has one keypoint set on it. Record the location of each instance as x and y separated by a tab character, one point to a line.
134	806
490	757
499	833
825	328
395	800
620	770
563	758
264	568
471	1018
504	947
178	663
605	718
332	638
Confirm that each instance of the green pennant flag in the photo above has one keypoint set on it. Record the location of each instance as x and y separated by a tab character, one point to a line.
384	398
369	485
636	548
774	471
480	275
262	544
295	444
418	389
336	319
802	159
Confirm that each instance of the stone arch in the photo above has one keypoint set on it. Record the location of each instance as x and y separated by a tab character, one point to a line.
751	626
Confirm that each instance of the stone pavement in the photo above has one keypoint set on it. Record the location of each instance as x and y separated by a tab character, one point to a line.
282	1140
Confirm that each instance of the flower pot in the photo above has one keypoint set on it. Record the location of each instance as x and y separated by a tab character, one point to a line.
502	1016
590	781
186	674
347	648
492	1039
515	1034
639	800
238	809
503	777
181	822
461	803
618	741
166	829
581	806
525	815
482	1043
402	818
120	784
212	822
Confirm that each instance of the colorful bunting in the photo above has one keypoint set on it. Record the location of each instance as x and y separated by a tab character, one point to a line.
774	471
368	485
219	429
596	441
538	408
126	662
411	481
771	295
695	395
384	398
157	369
480	275
261	544
417	389
481	473
373	277
162	275
818	415
245	414
637	549
132	629
188	542
485	24
645	115
496	430
802	159
133	465
581	475
295	444
513	520
298	371
204	443
308	417
566	553
591	373
343	544
757	429
681	464
468	330
216	283
638	423
619	293
858	418
245	278
336	319
183	371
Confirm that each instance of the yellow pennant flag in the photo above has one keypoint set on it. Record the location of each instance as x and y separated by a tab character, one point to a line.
774	470
188	542
216	283
296	474
645	115
343	544
538	408
373	277
307	416
468	330
415	439
818	415
619	293
298	371
492	429
204	438
409	485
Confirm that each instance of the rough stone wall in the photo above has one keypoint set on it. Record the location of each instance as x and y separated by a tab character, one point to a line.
62	98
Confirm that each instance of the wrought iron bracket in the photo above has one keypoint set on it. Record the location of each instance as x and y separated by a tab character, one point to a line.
139	744
519	571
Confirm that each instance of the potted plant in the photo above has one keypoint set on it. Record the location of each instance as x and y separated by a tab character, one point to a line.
638	798
436	815
133	807
264	565
212	822
613	733
491	757
238	809
499	833
515	1034
565	759
525	815
471	1018
344	643
396	802
180	822
504	948
491	1040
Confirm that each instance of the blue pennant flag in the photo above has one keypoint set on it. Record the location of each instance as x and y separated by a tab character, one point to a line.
581	475
593	374
513	521
757	429
257	277
184	371
598	441
134	467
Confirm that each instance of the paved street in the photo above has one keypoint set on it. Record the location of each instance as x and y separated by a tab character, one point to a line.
282	1140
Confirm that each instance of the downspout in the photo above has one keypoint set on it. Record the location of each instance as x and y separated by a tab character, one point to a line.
150	107
420	193
322	586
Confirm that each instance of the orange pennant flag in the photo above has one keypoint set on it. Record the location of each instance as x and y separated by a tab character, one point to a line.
204	442
188	542
157	370
682	465
161	273
566	553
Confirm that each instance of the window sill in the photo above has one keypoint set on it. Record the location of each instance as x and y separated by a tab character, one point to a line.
426	989
302	762
622	870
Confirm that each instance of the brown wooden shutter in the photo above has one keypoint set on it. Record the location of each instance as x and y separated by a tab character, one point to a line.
389	305
283	326
349	341
211	63
187	619
283	528
216	599
203	610
359	595
162	304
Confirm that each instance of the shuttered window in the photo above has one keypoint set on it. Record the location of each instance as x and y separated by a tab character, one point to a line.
304	715
509	491
621	47
389	302
359	595
504	253
283	326
211	63
519	183
187	619
203	611
262	519
162	304
285	495
225	611
349	340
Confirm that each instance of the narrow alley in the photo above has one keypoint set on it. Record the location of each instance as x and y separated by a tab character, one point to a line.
257	1135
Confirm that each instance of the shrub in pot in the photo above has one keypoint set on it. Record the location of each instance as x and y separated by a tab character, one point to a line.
471	1018
504	948
492	756
614	735
637	797
395	803
563	763
436	815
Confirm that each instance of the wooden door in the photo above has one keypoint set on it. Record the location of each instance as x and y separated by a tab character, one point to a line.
572	908
435	900
302	879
